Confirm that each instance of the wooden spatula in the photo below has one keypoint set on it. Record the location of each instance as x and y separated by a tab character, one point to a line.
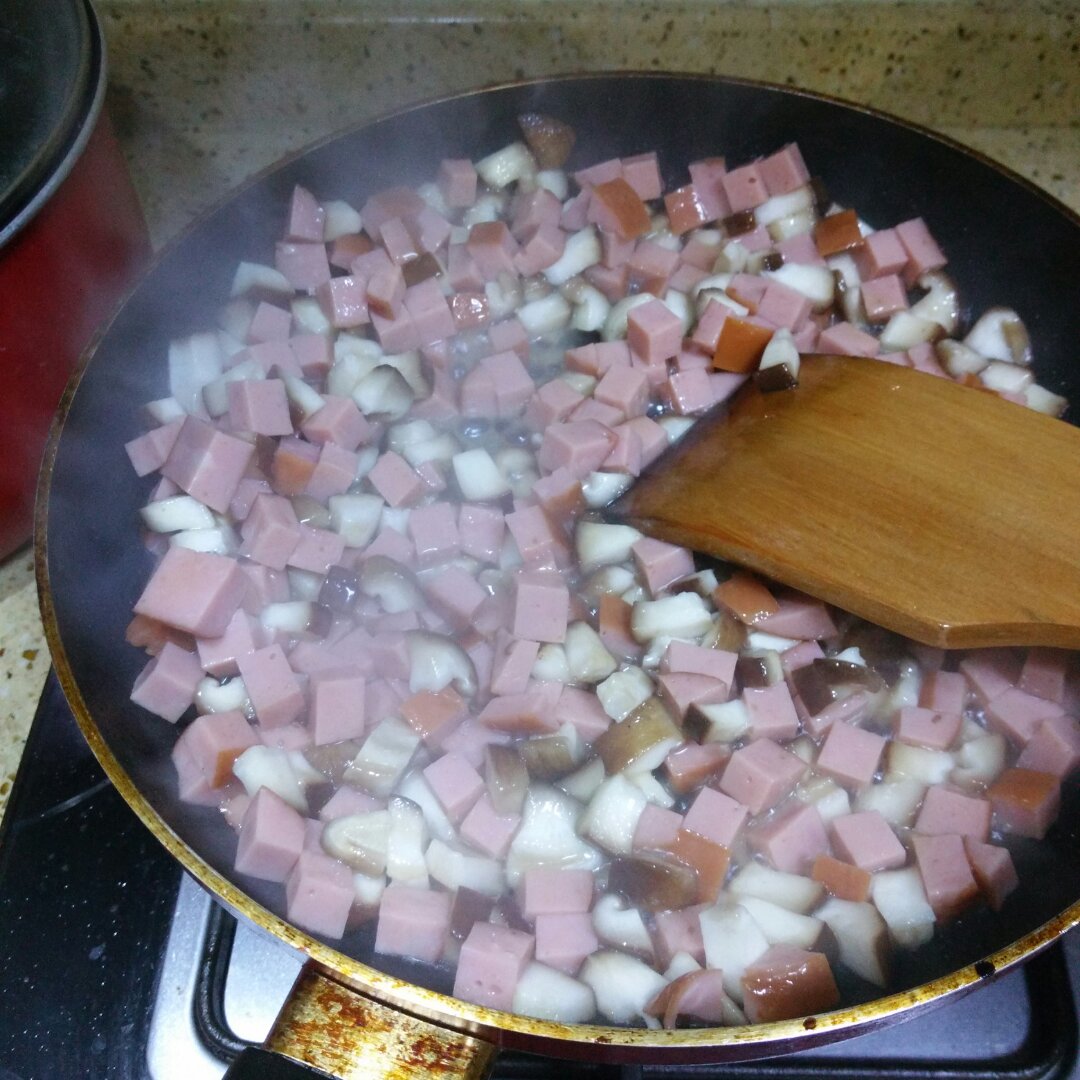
936	510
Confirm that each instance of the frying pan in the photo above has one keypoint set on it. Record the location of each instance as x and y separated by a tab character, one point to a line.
1008	243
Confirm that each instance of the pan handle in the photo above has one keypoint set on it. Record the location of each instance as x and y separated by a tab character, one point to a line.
325	1029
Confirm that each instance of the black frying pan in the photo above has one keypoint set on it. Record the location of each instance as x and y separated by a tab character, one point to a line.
1008	243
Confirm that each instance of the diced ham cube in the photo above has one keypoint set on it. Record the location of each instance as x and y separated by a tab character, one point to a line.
214	741
487	830
316	550
207	463
787	982
513	666
194	591
687	209
679	932
563	940
1025	802
1017	715
1054	748
334	472
679	690
709	860
990	672
434	533
457	181
554	401
882	297
492	247
946	874
456	593
993	869
784	171
270	531
492	961
541	606
346	801
792	841
660	564
850	754
166	685
305	264
656	829
272	836
925	727
947	811
1044	673
654	331
481	530
413	922
275	693
922	250
584	711
642	173
692	765
529	713
616	207
867	840
149	452
716	816
580	446
760	774
772	712
395	480
456	784
337	706
539	545
260	406
433	714
745	187
344	301
842	879
555	891
848	340
624	388
319	894
784	306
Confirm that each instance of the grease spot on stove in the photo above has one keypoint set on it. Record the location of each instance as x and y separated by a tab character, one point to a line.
984	969
810	1023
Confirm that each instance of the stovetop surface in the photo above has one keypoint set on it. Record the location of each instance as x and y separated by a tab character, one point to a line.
115	964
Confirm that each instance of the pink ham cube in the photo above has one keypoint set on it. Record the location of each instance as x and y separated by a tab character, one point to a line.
993	869
259	406
457	181
772	712
166	685
584	711
563	941
150	451
273	688
947	811
395	480
305	264
1054	748
716	816
207	463
760	774
319	894
487	830
680	931
745	187
456	593
882	297
548	890
681	656
1025	802
1017	715
867	840
792	841
316	549
925	727
661	564
337	705
272	836
456	784
434	533
921	247
214	741
784	171
194	591
1044	673
481	530
654	331
541	606
413	922
850	754
270	531
493	959
656	829
581	446
946	874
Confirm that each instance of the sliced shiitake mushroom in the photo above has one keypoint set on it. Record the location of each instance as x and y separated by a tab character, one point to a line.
823	681
549	139
653	881
648	726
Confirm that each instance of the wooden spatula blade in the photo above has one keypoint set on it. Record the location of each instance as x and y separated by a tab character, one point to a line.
936	510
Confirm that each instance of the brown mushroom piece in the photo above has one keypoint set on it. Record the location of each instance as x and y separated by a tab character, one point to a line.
654	881
550	140
648	727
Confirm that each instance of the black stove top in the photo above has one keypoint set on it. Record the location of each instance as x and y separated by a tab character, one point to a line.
113	963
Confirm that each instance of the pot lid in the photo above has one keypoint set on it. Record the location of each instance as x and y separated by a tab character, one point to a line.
45	81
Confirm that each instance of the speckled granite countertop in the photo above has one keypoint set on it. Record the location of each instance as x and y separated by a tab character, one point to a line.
207	92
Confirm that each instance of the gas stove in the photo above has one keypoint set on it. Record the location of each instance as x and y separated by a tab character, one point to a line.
114	963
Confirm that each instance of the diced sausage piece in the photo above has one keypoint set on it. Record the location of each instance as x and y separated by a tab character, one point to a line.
800	656
946	874
792	841
652	437
598	411
513	665
1054	748
273	688
800	250
337	706
413	922
1044	673
395	480
784	306
541	606
541	250
346	801
194	591
306	218
1025	802
681	656
433	714
270	532
317	550
716	816
457	180
214	741
689	392
838	232
990	672
334	472
660	564
678	932
787	982
842	879
867	840
881	255
292	467
260	406
617	208
487	830
456	593
706	333
527	713
551	890
882	297
207	463
679	690
150	451
271	837
848	340
946	811
434	533
624	388
319	894
400	333
554	401
784	171
772	712
740	344
304	264
385	292
584	711
431	316
493	247
313	353
1017	715
993	869
922	249
760	774
580	446
481	530
491	963
456	784
539	545
642	173
560	496
654	331
745	597
747	289
564	940
687	209
850	754
691	765
925	727
744	187
709	860
656	829
344	301
166	685
431	230
650	266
